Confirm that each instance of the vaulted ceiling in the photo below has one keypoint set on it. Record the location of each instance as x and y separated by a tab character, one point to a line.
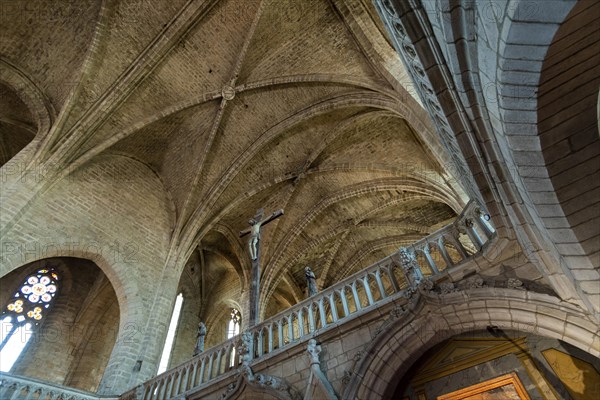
237	105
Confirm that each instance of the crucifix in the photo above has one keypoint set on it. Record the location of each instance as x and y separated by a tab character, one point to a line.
254	248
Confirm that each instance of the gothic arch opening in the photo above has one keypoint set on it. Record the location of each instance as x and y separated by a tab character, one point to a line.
17	124
501	363
212	284
568	129
391	355
189	287
72	343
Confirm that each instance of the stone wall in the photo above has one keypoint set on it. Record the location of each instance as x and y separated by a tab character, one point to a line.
365	357
114	212
494	52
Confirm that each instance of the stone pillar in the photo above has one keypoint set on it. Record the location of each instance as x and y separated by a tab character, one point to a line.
136	354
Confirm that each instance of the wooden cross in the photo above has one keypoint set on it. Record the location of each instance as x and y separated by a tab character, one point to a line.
254	247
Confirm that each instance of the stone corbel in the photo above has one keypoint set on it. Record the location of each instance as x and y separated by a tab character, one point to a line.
317	377
246	377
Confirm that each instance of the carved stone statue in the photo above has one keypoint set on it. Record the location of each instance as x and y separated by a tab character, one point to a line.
255	224
514	283
245	348
313	350
254	238
200	339
411	268
327	392
311	282
447	287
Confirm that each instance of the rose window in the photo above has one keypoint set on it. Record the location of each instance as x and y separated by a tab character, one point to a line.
34	296
28	305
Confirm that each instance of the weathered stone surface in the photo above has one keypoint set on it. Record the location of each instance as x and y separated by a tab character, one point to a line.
139	136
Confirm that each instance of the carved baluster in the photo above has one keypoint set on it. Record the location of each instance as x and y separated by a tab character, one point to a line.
344	301
210	367
453	237
155	392
322	313
380	283
280	333
260	343
147	392
434	268
178	386
444	252
17	393
300	322
355	295
202	369
30	392
270	332
152	390
169	385
228	354
390	272
235	355
162	393
4	389
365	280
290	328
194	372
311	318
333	307
472	233
187	378
219	356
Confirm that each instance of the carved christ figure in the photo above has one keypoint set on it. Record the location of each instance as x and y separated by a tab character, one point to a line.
254	247
255	224
254	237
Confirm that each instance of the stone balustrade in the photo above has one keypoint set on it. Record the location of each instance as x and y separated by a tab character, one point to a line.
388	278
17	387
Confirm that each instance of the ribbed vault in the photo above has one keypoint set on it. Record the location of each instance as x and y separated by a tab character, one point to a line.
286	104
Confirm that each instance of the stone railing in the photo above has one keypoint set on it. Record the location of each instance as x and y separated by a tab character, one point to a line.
393	276
18	387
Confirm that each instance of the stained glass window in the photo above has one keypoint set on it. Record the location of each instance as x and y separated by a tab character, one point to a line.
30	303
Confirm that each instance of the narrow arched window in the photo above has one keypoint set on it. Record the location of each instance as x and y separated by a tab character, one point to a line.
233	328
25	310
168	347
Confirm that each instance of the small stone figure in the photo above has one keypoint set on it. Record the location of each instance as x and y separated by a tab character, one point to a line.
311	281
313	349
514	283
411	268
200	341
